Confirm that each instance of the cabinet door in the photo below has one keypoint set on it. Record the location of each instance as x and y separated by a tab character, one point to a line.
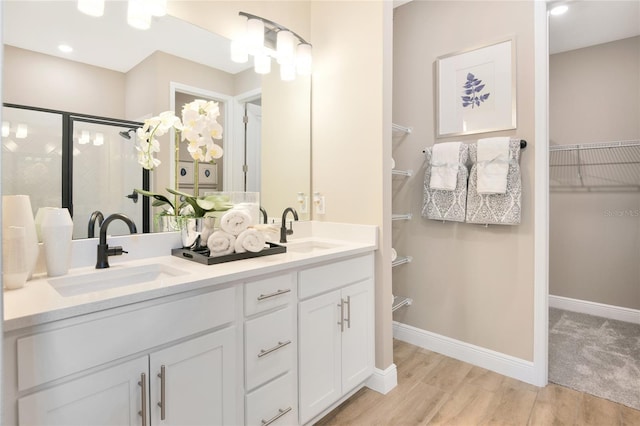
319	340
108	397
357	339
199	381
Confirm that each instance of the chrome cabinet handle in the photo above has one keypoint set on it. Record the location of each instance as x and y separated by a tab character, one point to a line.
348	319
281	413
341	322
163	402
280	345
277	293
143	393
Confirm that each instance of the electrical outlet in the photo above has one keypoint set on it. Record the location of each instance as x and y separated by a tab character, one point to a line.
319	202
303	203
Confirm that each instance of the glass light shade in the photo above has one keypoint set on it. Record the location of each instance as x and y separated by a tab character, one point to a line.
99	139
91	7
138	16
21	131
262	63
84	138
239	53
304	59
255	35
287	72
286	47
157	7
6	129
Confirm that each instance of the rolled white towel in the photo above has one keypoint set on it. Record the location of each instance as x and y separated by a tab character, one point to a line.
249	240
235	221
270	232
221	243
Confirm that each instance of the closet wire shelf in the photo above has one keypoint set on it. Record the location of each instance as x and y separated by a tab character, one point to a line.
601	166
399	302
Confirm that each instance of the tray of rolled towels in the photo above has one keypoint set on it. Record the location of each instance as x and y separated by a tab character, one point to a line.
236	237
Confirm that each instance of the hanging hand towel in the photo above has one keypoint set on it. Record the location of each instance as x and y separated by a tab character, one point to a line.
493	165
444	166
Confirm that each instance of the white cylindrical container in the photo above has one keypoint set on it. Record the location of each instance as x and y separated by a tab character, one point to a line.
39	216
16	211
57	231
14	262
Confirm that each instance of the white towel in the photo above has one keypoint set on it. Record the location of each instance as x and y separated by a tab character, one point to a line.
270	232
235	221
445	160
493	165
221	243
249	240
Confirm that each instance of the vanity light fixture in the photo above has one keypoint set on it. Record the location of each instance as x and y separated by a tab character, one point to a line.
139	12
85	137
6	129
98	139
265	39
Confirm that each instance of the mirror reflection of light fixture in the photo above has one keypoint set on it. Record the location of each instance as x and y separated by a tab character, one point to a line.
6	129
265	39
139	12
98	139
21	131
85	137
91	7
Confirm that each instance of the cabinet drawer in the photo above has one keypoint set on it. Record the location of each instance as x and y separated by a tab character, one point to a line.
274	403
324	278
54	354
270	347
262	295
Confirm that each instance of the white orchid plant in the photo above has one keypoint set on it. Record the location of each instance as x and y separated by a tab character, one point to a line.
199	127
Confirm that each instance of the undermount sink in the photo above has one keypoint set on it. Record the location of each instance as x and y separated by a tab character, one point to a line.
309	246
114	277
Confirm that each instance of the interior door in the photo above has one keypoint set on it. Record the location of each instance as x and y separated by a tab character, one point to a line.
105	173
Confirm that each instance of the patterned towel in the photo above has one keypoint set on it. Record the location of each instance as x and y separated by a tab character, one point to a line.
496	209
446	205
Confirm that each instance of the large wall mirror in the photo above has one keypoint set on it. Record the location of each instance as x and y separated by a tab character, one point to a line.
122	73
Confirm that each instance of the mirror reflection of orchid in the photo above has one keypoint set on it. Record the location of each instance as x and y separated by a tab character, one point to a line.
472	88
199	127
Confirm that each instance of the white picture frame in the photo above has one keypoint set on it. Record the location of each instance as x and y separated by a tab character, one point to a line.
476	90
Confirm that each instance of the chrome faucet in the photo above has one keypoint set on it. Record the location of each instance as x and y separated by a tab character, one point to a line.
283	229
96	216
103	248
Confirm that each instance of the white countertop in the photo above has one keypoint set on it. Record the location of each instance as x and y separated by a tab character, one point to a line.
39	302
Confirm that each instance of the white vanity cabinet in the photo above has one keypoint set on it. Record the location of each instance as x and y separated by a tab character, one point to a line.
182	384
336	332
271	351
172	362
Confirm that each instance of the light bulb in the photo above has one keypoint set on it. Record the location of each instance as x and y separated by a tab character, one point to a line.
21	131
84	138
304	59
285	47
262	63
138	16
91	7
255	36
99	139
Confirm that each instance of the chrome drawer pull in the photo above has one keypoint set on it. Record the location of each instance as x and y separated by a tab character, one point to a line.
264	352
143	396
277	293
281	413
163	397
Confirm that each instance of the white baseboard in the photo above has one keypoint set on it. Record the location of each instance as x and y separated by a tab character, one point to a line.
506	365
597	309
382	381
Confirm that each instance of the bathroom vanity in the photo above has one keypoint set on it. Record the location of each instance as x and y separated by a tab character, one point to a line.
272	340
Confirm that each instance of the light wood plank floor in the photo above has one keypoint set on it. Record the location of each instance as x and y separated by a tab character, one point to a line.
436	390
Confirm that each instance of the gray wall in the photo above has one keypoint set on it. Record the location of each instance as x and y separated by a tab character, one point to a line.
468	282
594	251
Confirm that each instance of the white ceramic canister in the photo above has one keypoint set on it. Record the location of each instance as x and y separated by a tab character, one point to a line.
14	262
39	216
16	211
57	231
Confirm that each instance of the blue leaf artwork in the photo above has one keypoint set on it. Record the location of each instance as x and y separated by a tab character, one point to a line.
472	88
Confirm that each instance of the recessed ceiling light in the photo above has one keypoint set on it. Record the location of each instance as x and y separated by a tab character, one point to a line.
559	9
65	48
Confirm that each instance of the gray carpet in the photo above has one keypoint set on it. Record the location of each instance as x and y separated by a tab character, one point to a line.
595	355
